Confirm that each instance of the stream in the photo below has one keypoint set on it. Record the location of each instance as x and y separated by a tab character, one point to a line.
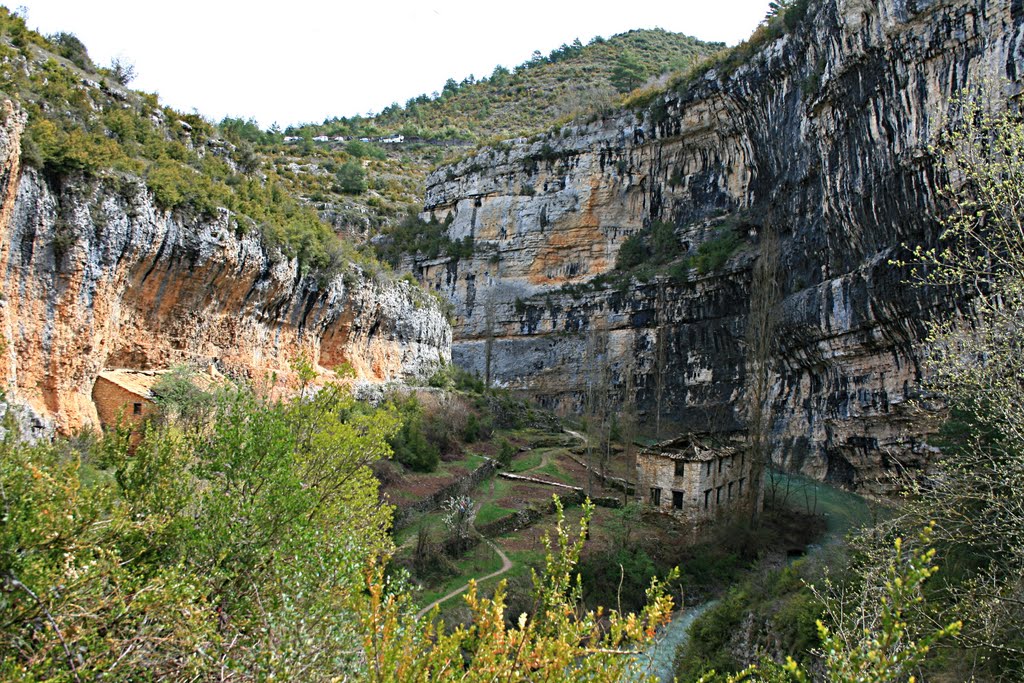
842	510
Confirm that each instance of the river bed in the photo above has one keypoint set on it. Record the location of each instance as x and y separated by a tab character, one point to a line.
842	510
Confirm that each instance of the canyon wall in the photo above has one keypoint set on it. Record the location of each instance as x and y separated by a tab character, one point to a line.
93	276
822	136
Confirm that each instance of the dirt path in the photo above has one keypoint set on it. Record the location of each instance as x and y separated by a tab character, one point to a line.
506	564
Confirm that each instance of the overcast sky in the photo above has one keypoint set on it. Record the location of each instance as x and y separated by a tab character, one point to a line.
304	60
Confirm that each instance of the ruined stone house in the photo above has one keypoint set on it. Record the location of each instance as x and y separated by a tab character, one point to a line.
127	395
696	478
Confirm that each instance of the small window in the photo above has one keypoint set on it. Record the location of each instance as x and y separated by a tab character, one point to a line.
707	468
718	495
720	461
730	490
741	485
743	460
136	409
707	498
677	500
655	496
680	468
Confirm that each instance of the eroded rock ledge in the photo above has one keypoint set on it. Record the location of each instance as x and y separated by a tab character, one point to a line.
94	276
824	133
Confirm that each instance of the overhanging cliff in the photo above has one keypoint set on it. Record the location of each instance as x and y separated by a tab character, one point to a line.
95	276
824	134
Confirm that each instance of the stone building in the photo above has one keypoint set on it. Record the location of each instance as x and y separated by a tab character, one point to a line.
125	395
697	478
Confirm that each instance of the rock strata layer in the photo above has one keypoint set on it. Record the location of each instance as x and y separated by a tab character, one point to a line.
822	136
93	276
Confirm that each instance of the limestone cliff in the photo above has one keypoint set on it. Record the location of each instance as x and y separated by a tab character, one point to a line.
93	275
824	133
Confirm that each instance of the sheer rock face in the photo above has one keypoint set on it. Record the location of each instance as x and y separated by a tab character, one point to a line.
824	134
94	276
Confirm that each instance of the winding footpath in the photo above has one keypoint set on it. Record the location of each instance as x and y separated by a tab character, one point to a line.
506	564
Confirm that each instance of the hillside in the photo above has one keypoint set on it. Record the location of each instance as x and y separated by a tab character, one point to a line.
573	79
365	187
139	237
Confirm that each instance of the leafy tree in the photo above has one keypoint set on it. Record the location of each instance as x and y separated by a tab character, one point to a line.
869	638
628	73
976	364
122	71
351	177
559	642
228	549
71	48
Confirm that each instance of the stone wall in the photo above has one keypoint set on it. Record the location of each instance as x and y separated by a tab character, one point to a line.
407	514
115	405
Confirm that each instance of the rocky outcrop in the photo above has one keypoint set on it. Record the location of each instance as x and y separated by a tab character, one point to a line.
823	134
94	276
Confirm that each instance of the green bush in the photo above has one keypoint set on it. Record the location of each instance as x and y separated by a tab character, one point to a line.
410	444
195	540
632	253
505	452
351	177
477	428
713	254
655	245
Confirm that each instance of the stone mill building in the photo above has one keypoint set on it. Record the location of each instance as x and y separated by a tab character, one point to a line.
698	478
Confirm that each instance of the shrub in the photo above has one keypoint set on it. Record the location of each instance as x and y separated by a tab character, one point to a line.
505	452
713	254
410	444
351	177
632	253
71	48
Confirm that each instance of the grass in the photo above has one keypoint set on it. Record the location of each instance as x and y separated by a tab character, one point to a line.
431	520
526	462
468	463
480	561
554	472
490	512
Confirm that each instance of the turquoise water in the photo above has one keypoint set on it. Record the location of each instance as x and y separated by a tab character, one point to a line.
660	658
842	510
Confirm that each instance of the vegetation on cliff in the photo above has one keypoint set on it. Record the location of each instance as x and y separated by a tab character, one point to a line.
83	121
573	78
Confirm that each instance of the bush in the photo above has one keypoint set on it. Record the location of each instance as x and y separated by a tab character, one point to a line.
351	177
71	48
477	428
656	244
713	254
505	452
410	444
632	253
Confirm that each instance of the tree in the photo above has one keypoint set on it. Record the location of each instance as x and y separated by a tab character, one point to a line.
351	177
122	70
868	637
762	321
224	549
628	73
660	356
558	642
489	325
976	364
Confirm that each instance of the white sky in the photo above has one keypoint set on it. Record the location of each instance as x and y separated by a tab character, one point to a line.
304	60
